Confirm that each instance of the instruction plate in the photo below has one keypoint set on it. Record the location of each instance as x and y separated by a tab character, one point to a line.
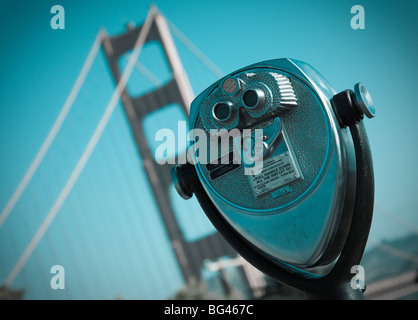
277	172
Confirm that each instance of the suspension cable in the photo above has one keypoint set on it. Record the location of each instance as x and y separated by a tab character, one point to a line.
54	130
87	152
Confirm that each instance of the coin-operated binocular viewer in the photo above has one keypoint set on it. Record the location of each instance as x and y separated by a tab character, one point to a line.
286	175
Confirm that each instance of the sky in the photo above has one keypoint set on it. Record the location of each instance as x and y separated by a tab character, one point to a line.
39	66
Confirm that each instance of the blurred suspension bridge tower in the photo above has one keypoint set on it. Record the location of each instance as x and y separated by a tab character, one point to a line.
190	255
